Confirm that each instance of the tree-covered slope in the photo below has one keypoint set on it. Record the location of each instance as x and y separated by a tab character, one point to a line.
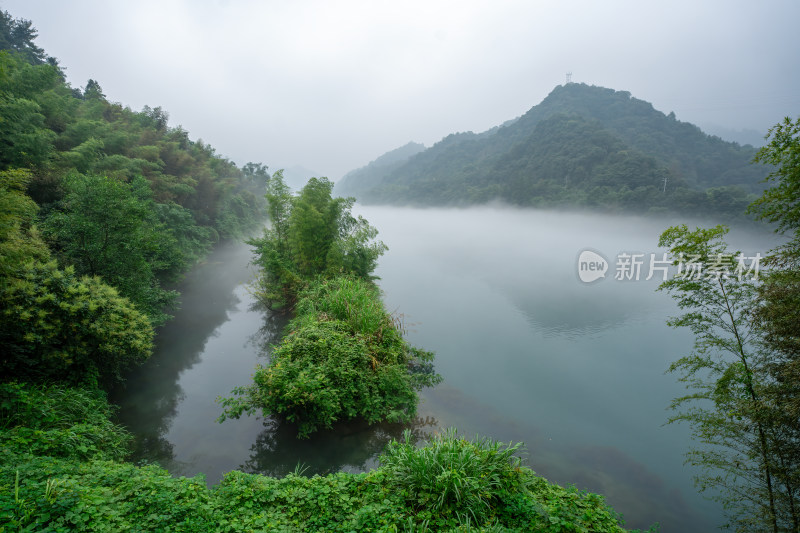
581	146
379	168
116	193
102	209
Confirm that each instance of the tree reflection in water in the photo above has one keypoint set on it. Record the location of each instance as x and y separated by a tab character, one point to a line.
352	446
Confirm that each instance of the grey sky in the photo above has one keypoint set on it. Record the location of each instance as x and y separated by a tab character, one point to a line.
332	85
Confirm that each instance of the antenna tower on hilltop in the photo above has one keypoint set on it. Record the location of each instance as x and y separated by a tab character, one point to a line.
569	77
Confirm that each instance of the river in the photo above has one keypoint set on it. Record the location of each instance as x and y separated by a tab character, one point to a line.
528	352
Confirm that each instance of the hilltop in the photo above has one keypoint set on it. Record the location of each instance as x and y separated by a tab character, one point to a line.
582	146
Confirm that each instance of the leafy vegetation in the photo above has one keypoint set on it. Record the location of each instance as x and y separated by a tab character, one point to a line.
312	235
56	325
60	472
743	372
100	207
53	421
123	196
110	229
61	327
580	147
343	357
725	375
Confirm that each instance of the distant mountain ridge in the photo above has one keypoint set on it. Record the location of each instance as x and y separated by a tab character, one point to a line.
581	146
380	167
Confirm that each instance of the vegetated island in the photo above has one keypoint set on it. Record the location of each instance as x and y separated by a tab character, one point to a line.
100	207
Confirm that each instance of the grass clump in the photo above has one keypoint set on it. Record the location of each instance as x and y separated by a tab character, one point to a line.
456	484
454	477
57	421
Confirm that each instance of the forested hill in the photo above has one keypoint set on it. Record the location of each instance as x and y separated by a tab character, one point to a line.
378	169
108	192
581	146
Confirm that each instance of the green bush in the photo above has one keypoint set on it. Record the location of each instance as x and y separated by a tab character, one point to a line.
343	358
58	326
61	422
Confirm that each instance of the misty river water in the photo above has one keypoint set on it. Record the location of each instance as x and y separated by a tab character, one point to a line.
528	353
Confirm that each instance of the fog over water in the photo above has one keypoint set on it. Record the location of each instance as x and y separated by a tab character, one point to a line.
528	353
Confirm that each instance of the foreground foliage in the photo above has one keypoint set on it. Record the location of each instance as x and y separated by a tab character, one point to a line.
725	373
343	357
59	472
53	421
779	317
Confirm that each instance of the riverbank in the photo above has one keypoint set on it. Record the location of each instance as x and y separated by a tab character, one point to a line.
61	472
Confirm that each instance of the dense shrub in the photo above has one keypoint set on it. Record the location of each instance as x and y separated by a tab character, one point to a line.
344	357
54	421
58	326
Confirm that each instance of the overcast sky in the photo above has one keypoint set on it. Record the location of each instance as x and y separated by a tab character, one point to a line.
332	85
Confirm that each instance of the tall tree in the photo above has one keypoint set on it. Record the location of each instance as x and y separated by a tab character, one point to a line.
311	235
780	205
110	229
18	35
779	294
729	406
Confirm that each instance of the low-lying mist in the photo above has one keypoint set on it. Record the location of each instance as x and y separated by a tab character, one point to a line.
528	352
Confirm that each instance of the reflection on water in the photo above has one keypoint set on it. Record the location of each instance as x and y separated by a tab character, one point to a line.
213	345
570	310
528	353
160	397
349	447
630	486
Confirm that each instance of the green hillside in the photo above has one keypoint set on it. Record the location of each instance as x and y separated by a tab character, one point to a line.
582	146
113	193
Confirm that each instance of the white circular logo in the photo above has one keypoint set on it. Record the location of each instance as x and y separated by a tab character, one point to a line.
591	266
